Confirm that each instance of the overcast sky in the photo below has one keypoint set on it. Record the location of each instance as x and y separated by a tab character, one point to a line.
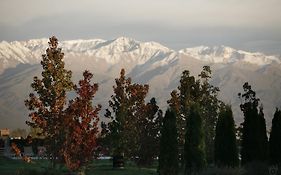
253	25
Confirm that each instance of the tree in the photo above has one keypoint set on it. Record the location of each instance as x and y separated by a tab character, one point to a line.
49	101
168	157
194	147
69	129
149	137
210	105
254	138
127	105
81	120
274	140
226	151
189	90
205	95
36	133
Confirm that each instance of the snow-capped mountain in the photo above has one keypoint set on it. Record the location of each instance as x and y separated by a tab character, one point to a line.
145	62
222	54
112	52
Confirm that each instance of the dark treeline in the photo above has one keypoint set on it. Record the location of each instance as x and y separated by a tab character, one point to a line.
196	132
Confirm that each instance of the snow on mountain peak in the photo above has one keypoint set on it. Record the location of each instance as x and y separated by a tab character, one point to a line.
115	50
124	49
124	44
223	54
14	52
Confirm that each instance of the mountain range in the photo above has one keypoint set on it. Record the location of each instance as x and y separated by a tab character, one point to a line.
145	62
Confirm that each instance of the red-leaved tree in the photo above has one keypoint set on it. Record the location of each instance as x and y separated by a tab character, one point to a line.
69	129
81	120
48	103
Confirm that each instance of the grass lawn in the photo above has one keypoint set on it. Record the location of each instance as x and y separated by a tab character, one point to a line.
98	167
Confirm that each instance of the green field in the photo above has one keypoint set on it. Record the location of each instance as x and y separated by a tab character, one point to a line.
98	167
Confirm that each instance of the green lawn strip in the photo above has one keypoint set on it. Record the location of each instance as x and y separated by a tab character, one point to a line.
9	166
98	167
104	167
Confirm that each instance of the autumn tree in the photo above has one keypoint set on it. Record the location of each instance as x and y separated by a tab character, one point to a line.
226	150
36	133
48	102
69	129
81	119
275	139
254	138
194	147
149	133
168	157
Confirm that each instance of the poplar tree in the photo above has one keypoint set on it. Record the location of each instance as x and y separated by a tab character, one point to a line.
275	139
168	157
226	151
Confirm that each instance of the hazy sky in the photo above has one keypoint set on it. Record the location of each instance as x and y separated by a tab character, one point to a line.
253	25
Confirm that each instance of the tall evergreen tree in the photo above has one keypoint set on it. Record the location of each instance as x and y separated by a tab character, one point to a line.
149	137
275	139
189	91
119	104
205	95
194	148
254	138
168	157
226	151
210	105
49	101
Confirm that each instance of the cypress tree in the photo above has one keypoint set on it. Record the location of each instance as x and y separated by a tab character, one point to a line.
148	142
226	152
168	158
194	148
254	138
210	105
275	139
262	137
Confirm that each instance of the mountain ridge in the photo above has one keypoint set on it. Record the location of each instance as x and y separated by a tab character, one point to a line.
145	62
30	51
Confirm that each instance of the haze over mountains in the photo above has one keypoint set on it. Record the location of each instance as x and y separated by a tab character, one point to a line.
145	62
